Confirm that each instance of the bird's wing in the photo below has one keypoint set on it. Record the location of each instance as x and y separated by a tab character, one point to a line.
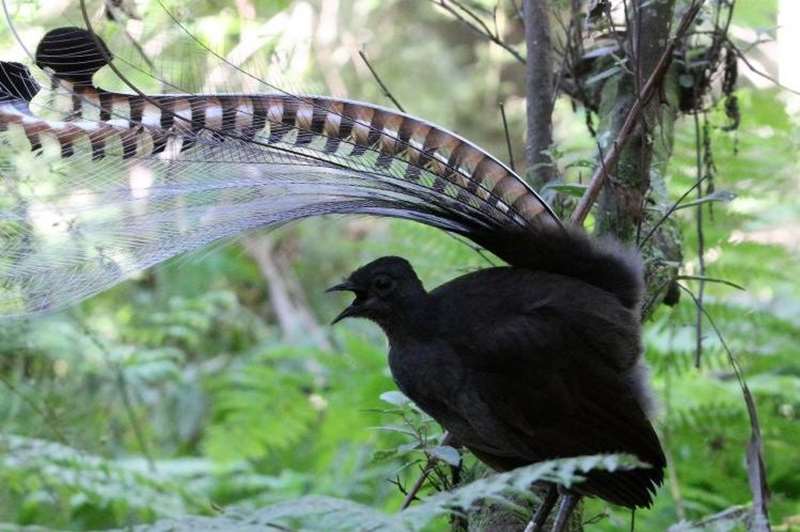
517	317
545	397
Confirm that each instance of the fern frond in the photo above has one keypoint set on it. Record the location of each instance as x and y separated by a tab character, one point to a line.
330	514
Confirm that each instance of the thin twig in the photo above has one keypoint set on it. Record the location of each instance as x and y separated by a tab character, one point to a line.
701	244
518	11
632	119
635	53
572	57
138	47
478	21
494	19
480	28
759	72
666	440
384	88
648	305
564	52
412	493
626	51
426	470
474	247
756	473
576	22
710	280
122	384
132	40
508	137
636	42
277	526
669	212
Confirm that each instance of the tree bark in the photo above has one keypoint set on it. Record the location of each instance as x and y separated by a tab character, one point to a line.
636	188
540	92
296	321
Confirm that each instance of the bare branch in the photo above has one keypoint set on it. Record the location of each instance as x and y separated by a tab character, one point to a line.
711	280
479	27
508	137
295	320
384	88
477	20
675	206
426	470
759	72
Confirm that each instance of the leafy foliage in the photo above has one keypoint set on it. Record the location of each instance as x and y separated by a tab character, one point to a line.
326	513
185	368
275	381
38	469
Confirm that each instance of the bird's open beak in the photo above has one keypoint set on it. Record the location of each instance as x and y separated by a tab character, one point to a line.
346	313
346	286
354	307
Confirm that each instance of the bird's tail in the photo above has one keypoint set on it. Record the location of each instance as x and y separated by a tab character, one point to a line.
603	262
119	182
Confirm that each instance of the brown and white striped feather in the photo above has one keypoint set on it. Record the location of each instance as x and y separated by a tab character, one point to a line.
137	179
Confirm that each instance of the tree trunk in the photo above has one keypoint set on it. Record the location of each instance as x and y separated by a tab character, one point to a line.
636	187
540	92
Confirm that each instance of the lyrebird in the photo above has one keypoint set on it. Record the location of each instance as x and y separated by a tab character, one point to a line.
537	360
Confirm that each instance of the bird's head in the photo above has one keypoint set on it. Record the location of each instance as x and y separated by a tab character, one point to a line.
384	289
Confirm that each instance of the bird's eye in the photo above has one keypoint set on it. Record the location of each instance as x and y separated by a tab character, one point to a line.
383	283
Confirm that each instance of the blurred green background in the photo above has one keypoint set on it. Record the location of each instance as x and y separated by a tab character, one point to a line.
184	390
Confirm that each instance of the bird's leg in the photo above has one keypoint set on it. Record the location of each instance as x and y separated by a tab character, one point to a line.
568	502
543	511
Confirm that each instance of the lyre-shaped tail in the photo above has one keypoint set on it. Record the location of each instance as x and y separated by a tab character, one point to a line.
124	181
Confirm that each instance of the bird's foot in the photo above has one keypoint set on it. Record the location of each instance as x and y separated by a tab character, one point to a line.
536	524
568	503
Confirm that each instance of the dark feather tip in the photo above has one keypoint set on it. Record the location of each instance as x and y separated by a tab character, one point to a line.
73	54
16	82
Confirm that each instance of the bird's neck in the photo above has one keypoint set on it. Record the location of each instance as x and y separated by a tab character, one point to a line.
411	319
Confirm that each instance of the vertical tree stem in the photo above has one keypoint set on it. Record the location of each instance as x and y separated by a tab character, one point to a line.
540	92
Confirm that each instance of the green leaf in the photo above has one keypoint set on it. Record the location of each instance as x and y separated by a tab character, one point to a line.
312	512
733	518
331	514
605	74
446	454
719	195
104	482
395	398
570	189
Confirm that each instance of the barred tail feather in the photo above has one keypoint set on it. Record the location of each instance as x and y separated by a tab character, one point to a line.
122	182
